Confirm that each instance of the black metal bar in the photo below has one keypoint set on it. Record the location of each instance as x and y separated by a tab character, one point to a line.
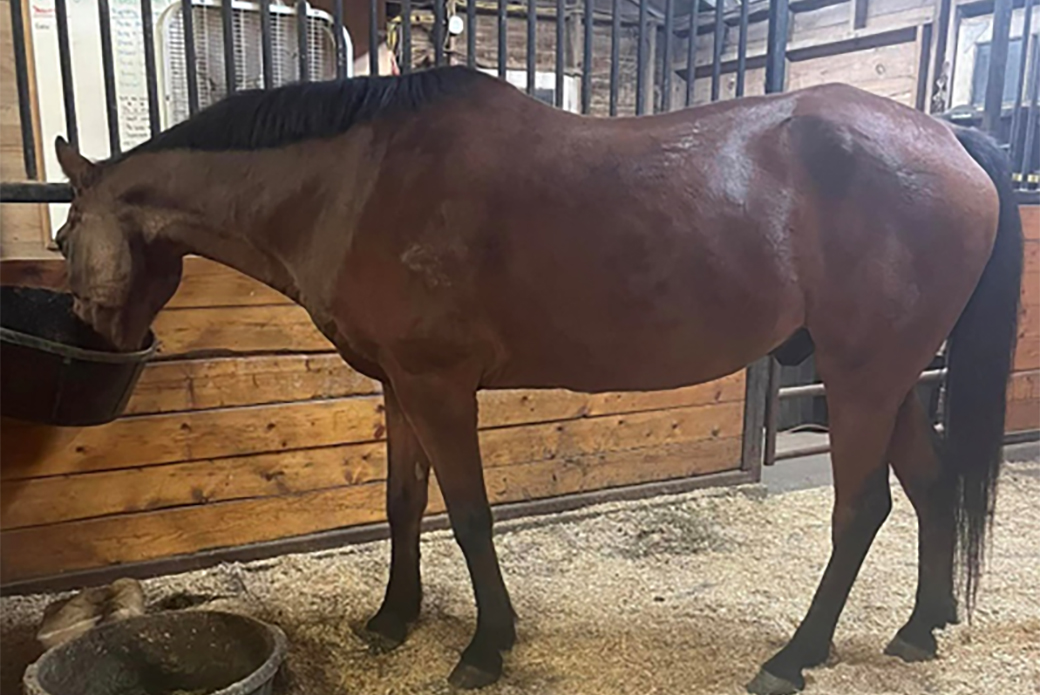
755	399
438	32
998	54
772	415
341	43
641	58
373	35
21	72
666	48
303	54
1032	123
532	28
561	48
35	193
586	56
942	30
267	51
150	73
1016	114
227	23
503	47
742	47
776	46
691	53
61	14
615	53
406	35
190	59
716	50
921	99
108	71
471	33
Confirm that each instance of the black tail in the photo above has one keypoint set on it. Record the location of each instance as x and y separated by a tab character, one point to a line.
981	350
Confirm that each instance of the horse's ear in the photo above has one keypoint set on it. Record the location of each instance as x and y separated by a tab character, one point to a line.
80	171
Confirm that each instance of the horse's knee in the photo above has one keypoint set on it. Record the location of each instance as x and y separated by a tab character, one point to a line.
472	527
865	515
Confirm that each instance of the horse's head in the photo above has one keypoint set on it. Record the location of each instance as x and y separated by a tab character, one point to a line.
121	271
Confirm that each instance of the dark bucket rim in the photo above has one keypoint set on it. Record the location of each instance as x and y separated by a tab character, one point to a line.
13	337
250	684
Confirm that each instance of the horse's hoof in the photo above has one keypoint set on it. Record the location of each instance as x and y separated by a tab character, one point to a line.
907	651
469	677
381	635
765	683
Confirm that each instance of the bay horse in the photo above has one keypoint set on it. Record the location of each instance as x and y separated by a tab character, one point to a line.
448	234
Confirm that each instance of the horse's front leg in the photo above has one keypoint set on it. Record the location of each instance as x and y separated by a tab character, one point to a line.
408	471
442	411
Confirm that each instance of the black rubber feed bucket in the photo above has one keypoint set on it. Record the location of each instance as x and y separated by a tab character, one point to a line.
172	653
55	369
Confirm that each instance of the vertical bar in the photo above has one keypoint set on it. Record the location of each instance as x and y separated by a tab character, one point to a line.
303	54
190	60
471	33
942	28
772	415
108	72
776	46
756	396
641	59
666	77
716	50
561	48
925	44
267	51
373	37
742	47
406	35
532	28
227	23
586	57
21	72
150	73
61	14
503	56
438	32
337	28
997	66
691	53
615	52
1034	114
1016	114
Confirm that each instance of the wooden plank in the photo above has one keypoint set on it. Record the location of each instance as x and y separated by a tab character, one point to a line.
32	451
1031	273
1023	416
1030	221
46	500
241	329
47	550
1027	352
208	284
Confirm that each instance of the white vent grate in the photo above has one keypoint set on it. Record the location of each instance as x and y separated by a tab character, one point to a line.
209	52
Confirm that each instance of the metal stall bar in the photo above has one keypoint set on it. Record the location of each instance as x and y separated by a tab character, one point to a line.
1032	124
561	48
942	31
641	58
341	44
716	50
503	55
373	37
190	59
998	55
1017	155
406	34
35	192
108	71
772	416
227	24
586	57
438	32
21	72
303	50
532	29
471	33
267	50
615	52
776	46
691	53
61	15
150	72
742	47
666	78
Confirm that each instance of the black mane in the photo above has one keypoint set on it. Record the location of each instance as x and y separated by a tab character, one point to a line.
261	119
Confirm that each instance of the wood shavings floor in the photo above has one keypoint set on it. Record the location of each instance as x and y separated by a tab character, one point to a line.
685	594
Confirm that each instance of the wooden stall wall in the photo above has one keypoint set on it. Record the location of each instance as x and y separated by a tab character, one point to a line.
1024	393
220	451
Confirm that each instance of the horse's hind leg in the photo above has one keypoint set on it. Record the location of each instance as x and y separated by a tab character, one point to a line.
913	456
860	433
408	470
